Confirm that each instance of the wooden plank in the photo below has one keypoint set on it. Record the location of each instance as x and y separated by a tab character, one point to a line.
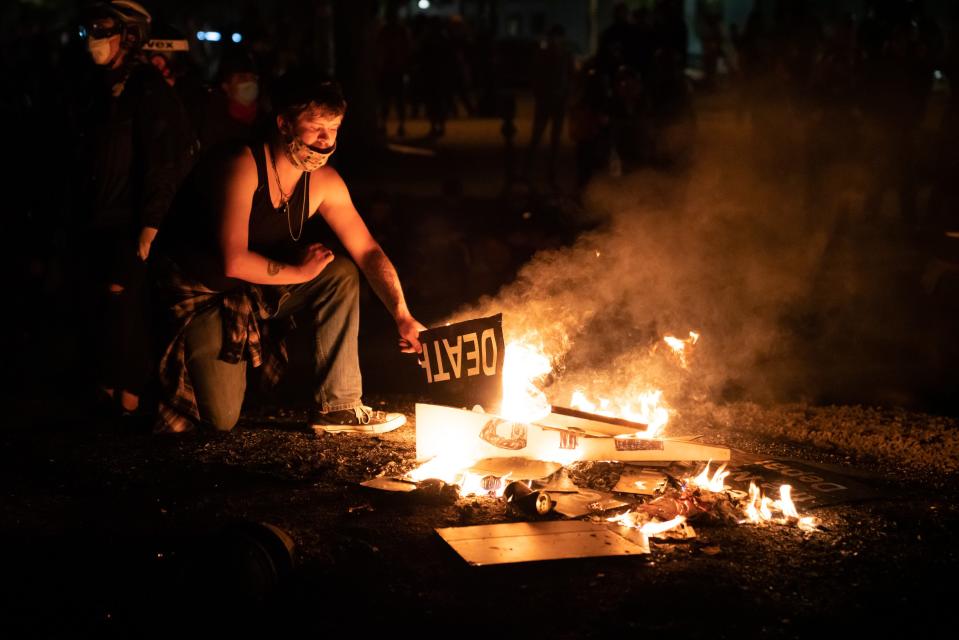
567	418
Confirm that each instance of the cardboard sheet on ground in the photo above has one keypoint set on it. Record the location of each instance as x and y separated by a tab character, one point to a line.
536	541
463	362
812	485
517	468
559	482
390	484
585	502
641	481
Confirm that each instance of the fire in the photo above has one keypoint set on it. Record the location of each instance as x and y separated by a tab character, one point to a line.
522	400
679	347
646	408
445	468
715	483
455	471
649	528
759	508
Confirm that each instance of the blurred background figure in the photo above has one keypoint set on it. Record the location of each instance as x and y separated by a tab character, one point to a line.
552	77
232	108
438	66
394	50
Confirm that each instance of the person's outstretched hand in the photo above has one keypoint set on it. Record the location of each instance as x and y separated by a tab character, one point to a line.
409	328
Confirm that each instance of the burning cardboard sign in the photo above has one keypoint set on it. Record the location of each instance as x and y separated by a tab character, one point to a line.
446	431
463	362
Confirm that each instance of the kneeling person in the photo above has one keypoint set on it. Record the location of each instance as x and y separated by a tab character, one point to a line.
234	269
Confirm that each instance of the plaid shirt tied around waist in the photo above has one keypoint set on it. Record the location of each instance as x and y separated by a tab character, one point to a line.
244	313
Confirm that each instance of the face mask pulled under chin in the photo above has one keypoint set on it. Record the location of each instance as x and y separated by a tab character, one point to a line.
305	157
99	49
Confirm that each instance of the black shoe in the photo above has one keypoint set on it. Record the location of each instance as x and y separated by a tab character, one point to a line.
362	419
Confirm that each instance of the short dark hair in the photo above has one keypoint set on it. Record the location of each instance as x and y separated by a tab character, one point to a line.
301	90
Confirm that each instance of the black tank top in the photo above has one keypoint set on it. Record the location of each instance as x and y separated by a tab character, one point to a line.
190	236
274	232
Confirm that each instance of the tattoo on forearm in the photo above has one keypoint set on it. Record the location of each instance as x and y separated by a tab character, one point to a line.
273	267
382	277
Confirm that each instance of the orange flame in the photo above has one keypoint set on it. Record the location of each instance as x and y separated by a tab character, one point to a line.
635	520
455	470
646	409
715	483
522	400
759	508
679	347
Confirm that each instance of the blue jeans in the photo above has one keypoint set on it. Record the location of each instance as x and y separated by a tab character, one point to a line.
333	297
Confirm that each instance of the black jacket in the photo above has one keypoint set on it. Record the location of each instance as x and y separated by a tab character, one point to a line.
139	146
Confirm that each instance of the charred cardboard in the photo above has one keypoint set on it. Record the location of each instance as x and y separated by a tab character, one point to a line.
536	541
559	482
585	502
812	485
641	481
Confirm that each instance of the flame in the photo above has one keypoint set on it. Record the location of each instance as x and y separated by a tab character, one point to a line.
785	502
522	400
759	508
679	346
446	468
653	528
646	408
715	483
635	520
454	470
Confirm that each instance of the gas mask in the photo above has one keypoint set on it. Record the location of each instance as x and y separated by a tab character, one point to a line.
304	156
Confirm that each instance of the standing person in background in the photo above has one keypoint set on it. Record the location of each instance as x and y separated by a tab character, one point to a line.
134	140
394	49
231	110
552	76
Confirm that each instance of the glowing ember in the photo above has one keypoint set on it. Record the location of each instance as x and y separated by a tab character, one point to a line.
679	347
522	400
646	408
715	483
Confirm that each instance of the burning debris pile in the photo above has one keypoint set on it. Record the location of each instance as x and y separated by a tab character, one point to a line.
605	460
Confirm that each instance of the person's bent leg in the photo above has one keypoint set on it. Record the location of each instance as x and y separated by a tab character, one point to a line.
219	385
334	298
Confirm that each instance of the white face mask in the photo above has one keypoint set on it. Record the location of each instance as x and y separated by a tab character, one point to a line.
246	93
100	48
305	157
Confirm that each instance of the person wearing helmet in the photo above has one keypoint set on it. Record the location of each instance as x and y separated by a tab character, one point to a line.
237	261
135	157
